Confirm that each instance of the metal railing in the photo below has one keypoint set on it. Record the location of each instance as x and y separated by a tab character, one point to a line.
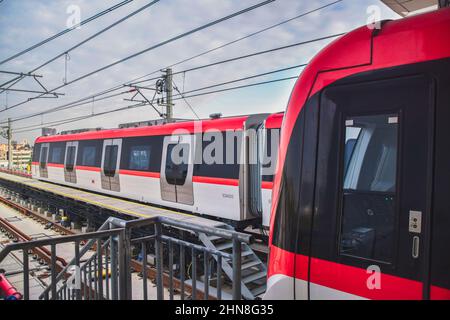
103	268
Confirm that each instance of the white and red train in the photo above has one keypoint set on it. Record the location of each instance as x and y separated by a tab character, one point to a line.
361	201
136	163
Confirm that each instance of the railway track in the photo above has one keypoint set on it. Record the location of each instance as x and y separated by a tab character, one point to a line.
16	234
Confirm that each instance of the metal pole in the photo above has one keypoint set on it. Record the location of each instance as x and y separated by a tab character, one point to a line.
159	262
122	267
114	286
169	93
53	271
10	151
26	276
237	260
127	258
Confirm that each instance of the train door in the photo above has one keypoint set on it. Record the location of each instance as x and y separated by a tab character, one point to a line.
110	164
43	159
373	191
250	176
70	174
177	168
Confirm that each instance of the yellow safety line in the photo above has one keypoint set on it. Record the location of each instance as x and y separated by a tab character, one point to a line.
99	203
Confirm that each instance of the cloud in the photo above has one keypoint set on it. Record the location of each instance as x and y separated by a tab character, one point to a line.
25	22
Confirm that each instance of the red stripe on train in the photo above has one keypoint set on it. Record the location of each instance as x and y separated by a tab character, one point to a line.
266	184
222	181
348	279
140	173
88	168
55	165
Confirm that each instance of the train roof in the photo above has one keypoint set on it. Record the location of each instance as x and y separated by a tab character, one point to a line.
399	42
183	127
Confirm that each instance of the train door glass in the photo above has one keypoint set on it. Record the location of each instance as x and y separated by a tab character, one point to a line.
177	169
110	164
69	164
369	187
372	194
176	172
43	172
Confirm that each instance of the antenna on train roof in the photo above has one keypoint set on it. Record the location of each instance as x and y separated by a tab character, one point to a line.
217	115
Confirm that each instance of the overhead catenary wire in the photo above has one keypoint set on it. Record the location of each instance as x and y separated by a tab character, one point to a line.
238	87
249	55
37	127
112	89
243	79
63	32
205	26
213	86
185	100
80	101
301	15
79	44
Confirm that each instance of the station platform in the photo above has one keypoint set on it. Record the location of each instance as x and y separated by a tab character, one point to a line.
121	206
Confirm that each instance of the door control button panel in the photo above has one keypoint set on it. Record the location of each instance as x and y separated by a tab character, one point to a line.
415	221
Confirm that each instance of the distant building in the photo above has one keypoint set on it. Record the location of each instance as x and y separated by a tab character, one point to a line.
21	154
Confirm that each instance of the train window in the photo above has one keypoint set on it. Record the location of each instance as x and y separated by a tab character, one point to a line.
57	153
140	157
176	172
369	187
229	166
88	156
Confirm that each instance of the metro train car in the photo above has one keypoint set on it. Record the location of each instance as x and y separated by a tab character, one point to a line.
137	163
361	198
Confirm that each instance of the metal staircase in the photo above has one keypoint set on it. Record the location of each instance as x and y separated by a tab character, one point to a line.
253	270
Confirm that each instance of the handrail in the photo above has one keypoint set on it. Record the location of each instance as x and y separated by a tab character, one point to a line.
223	233
54	241
86	248
113	227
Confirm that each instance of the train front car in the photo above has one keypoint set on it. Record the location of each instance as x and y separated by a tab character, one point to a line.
360	202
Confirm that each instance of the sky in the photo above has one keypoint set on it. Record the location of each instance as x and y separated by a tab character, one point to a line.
26	22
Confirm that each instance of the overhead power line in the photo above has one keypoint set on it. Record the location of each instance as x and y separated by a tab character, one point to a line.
248	56
237	87
79	44
59	34
87	100
112	89
153	47
71	120
242	79
243	38
185	100
190	91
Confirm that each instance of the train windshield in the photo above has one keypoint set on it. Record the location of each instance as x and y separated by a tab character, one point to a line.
369	186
